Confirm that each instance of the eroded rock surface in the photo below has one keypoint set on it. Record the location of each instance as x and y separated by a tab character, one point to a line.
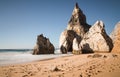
78	22
115	35
80	37
76	28
66	39
43	46
96	39
75	46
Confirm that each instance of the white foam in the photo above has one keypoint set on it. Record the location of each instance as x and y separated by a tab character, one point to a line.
7	58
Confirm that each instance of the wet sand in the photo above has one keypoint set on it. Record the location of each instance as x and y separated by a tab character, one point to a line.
84	65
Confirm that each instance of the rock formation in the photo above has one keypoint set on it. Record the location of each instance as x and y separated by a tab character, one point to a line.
79	37
77	22
77	27
75	46
96	39
115	35
43	46
66	39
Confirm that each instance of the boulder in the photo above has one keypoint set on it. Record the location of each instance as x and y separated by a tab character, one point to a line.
115	36
43	46
96	40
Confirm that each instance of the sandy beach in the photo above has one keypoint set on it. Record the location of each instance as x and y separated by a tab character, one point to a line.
84	65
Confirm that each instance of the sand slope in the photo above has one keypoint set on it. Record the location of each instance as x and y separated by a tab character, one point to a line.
85	65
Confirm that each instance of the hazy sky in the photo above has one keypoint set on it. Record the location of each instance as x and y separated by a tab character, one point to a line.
22	20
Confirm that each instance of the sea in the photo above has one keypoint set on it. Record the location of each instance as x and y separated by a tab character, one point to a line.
16	56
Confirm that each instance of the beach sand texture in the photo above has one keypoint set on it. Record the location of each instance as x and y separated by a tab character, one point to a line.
84	65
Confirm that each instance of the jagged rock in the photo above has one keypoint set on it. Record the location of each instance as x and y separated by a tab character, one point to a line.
77	27
75	46
43	46
66	39
78	22
115	35
90	39
116	32
96	39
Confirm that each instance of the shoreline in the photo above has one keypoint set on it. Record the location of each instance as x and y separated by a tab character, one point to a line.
84	65
36	58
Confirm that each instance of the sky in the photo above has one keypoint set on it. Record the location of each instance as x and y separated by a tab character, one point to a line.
22	20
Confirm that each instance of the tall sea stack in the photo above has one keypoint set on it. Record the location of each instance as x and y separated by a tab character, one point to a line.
80	37
76	28
43	46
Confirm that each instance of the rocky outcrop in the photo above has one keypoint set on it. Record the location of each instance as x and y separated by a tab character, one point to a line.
115	35
43	46
116	32
77	22
77	27
96	39
66	39
79	37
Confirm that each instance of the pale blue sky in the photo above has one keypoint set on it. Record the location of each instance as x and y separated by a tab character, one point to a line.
22	20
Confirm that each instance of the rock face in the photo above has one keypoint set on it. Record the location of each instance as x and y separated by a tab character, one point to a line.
79	37
96	39
43	46
66	39
115	35
77	27
77	22
75	46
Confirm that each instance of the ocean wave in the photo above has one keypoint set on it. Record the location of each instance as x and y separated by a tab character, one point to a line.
13	57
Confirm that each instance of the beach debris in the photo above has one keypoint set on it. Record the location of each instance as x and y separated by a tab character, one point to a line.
56	69
114	55
104	56
81	75
94	56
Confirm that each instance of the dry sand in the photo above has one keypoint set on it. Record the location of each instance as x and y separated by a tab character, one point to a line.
84	65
